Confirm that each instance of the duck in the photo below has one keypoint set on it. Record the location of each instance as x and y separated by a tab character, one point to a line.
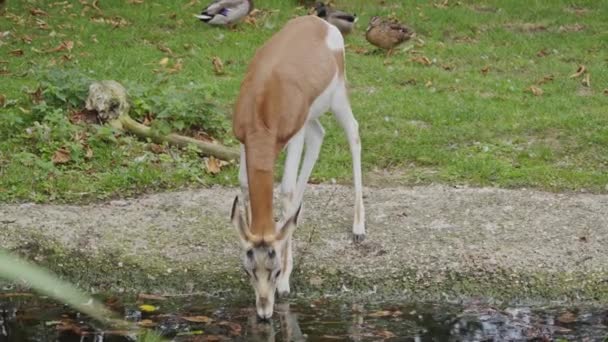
342	20
387	34
225	12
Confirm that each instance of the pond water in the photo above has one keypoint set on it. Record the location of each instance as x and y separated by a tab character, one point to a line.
24	317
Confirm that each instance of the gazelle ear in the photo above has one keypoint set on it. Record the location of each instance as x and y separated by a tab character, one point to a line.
290	225
237	220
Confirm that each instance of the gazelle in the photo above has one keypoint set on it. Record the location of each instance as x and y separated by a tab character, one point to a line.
292	80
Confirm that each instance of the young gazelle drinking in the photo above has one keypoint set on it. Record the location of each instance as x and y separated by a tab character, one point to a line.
292	80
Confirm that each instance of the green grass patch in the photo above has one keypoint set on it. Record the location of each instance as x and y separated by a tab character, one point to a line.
466	118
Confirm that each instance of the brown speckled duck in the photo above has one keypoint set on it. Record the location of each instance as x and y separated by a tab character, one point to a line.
340	19
387	34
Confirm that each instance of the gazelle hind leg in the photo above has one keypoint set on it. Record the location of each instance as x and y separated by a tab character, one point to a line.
313	138
344	114
290	173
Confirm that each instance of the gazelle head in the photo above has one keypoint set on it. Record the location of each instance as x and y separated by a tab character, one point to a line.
263	258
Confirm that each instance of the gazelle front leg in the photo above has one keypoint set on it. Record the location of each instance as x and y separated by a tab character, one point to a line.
344	114
244	184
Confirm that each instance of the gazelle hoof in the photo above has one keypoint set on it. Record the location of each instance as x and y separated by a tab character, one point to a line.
358	238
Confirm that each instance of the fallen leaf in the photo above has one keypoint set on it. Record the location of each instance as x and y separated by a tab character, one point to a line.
156	148
37	12
581	70
485	69
536	91
147	308
165	49
88	153
164	61
212	165
15	294
606	91
136	2
235	328
218	65
576	27
385	334
146	323
567	317
546	79
544	52
65	45
176	67
150	296
422	60
26	39
198	319
587	80
381	313
447	67
428	83
61	156
360	50
95	5
2	100
16	53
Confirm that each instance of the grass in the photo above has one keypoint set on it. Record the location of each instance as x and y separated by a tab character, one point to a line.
467	118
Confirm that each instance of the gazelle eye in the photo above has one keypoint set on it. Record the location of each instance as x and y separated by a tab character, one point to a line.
250	253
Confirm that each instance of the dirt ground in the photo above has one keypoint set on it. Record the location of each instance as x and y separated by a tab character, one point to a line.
423	242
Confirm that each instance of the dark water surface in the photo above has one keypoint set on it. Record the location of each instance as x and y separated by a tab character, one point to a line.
24	317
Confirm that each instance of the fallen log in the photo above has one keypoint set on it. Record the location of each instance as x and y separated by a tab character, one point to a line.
109	100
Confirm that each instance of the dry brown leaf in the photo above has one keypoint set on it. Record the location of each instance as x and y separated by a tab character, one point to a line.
235	328
61	156
150	296
37	12
2	100
581	70
428	83
536	91
136	2
485	69
544	52
156	148
576	27
176	67
146	323
385	334
95	5
422	60
447	67
212	165
218	65
606	91
88	154
198	319
567	317
165	49
42	24
360	50
587	80
26	39
546	79
164	61
16	53
381	313
65	45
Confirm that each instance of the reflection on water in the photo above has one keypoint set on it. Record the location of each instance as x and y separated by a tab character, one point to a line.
200	319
